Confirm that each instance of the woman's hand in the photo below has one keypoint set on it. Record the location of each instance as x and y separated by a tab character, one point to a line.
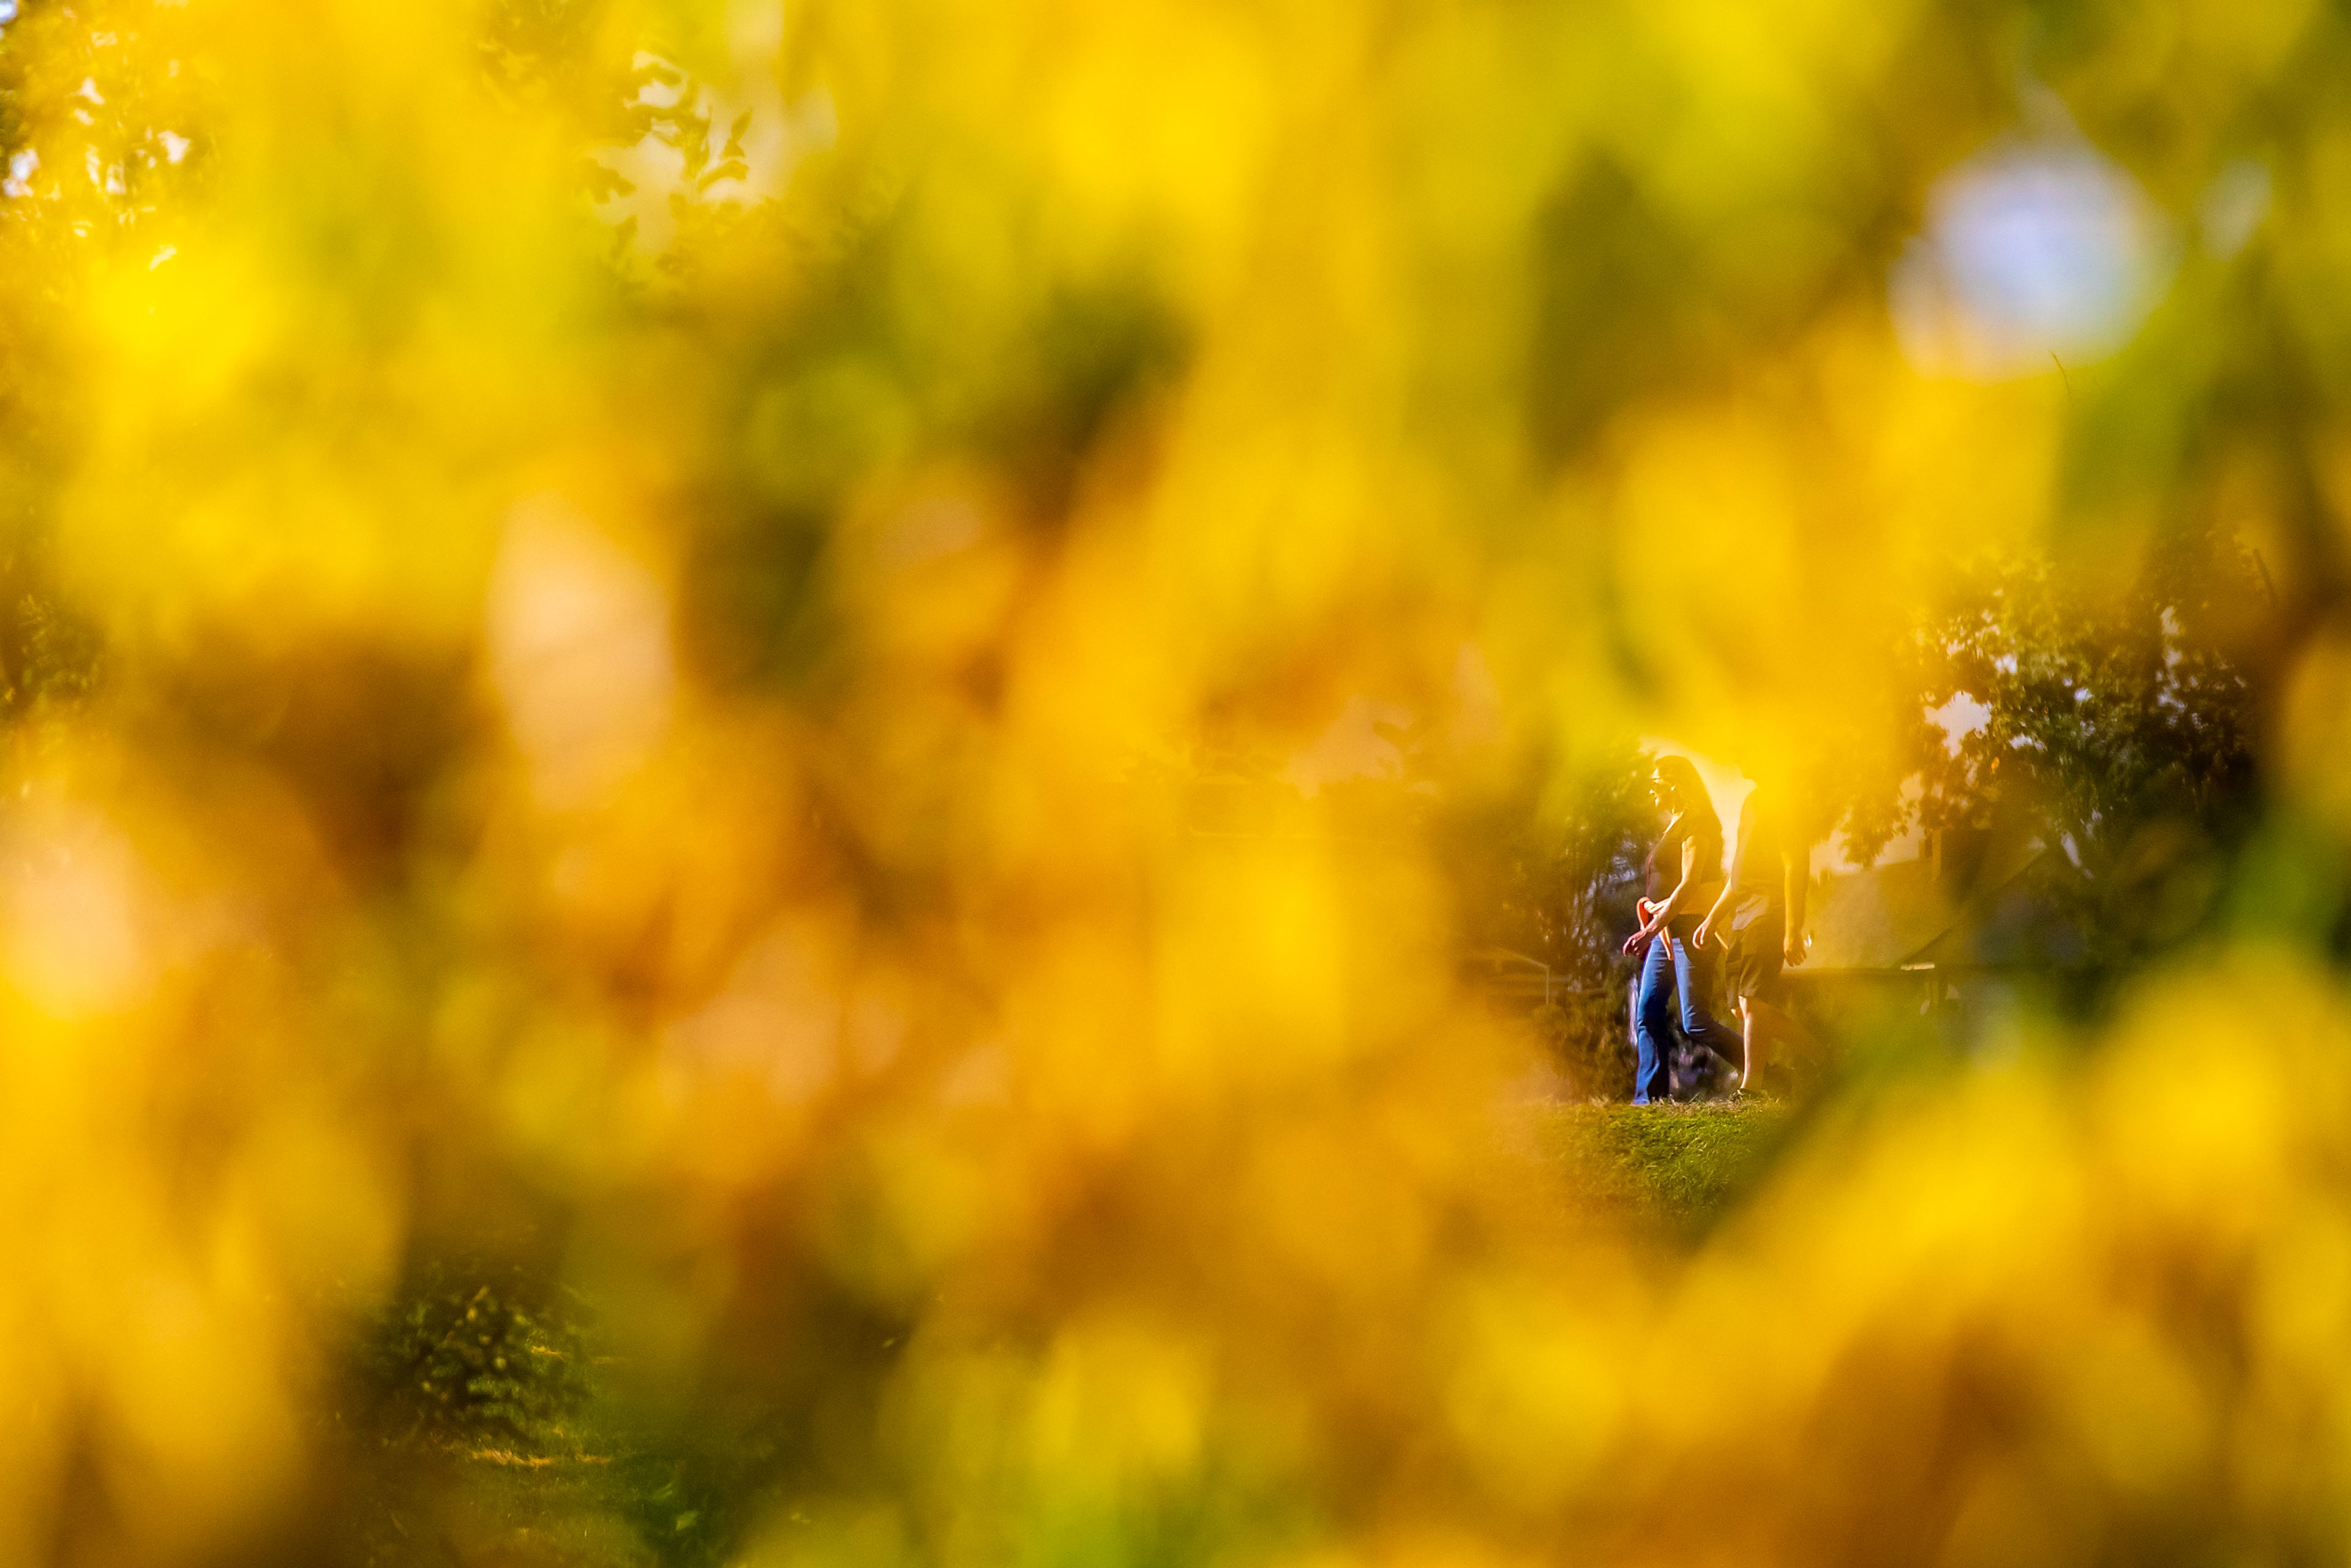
1705	929
1649	925
1794	951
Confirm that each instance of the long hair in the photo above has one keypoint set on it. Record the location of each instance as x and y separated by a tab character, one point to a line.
1691	799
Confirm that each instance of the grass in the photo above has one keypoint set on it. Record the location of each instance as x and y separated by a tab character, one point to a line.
1678	1166
637	1507
1668	1169
473	1509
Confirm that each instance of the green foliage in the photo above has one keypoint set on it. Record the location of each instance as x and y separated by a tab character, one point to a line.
51	656
1587	1035
1550	864
464	1365
493	1423
2118	726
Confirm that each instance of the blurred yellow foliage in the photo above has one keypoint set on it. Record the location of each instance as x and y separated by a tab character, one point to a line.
734	745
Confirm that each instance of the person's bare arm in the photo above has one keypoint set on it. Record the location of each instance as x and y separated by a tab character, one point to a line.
1730	883
1796	872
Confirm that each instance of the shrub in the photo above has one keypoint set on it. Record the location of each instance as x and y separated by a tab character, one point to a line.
461	1362
1587	1035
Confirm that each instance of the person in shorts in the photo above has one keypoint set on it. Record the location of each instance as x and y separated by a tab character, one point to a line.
1759	920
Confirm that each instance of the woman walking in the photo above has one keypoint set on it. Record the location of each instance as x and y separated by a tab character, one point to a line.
1684	878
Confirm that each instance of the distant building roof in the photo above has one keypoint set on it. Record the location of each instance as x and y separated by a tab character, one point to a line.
1975	899
1875	919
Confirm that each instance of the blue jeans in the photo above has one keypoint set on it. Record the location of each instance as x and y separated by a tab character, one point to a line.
1671	967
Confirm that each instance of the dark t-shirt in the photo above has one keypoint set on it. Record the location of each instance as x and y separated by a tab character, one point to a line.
1663	871
1761	869
1759	906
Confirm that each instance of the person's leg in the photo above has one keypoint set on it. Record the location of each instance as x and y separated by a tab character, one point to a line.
1774	1022
1747	1038
1694	978
1754	960
1653	1018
